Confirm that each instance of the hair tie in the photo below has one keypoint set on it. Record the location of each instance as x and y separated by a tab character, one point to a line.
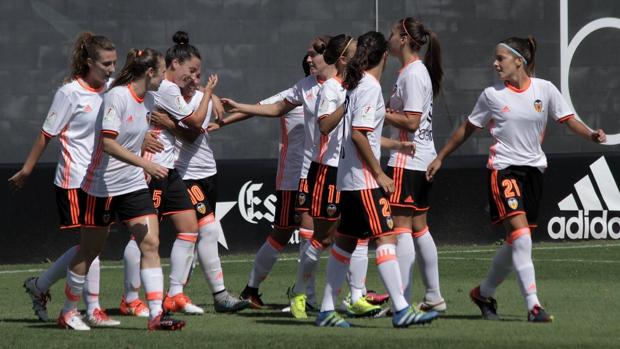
409	35
515	52
345	48
139	54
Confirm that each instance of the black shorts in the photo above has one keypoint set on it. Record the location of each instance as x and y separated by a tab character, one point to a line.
514	190
170	195
365	214
70	204
322	186
200	193
286	214
411	188
102	211
302	203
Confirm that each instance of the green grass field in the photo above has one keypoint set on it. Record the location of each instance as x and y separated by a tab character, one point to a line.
578	284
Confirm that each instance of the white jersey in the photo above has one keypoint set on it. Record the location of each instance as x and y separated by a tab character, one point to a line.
305	93
517	120
291	149
332	96
413	92
169	98
195	159
365	111
72	117
125	115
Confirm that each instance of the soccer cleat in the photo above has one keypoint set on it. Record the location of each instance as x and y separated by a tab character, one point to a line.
231	304
375	298
181	303
163	322
38	298
362	308
488	305
311	305
298	306
539	314
439	306
99	318
411	316
72	320
251	294
135	308
331	319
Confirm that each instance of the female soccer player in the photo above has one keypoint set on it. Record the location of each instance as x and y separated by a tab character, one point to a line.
516	112
196	165
365	212
116	186
410	115
72	117
303	93
170	195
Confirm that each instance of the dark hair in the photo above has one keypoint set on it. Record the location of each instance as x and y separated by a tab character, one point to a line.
370	50
87	45
181	50
305	65
320	43
420	36
335	48
136	65
527	48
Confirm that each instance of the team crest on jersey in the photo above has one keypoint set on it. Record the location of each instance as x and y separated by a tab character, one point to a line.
106	218
513	203
301	199
331	210
201	208
389	221
538	105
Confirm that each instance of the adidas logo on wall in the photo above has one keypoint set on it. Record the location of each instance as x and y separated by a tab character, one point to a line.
595	208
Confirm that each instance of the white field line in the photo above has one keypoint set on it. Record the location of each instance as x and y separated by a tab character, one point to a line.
287	259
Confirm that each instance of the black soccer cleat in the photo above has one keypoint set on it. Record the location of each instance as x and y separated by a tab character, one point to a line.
487	305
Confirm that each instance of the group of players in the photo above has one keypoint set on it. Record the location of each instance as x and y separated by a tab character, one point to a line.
136	149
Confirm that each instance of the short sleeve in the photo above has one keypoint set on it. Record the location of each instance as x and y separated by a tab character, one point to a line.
330	100
171	100
481	114
59	114
277	97
365	110
559	109
294	95
412	94
113	109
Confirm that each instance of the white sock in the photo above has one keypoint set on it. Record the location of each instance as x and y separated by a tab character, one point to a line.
390	275
56	271
91	287
181	258
358	268
500	268
308	266
153	281
524	268
73	290
337	266
428	264
405	252
131	261
265	258
209	256
305	236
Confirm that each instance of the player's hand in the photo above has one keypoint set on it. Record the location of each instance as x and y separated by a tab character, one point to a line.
598	136
211	83
212	126
156	171
151	143
386	183
162	119
18	180
432	169
230	105
406	148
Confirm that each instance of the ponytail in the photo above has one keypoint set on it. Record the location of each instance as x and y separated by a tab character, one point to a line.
418	37
87	45
136	65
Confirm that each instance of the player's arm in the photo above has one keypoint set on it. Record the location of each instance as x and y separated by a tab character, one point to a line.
403	147
408	121
328	122
113	148
456	139
18	180
273	110
163	119
579	128
197	118
362	145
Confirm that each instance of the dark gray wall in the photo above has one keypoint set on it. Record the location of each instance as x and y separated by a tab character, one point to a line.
256	47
